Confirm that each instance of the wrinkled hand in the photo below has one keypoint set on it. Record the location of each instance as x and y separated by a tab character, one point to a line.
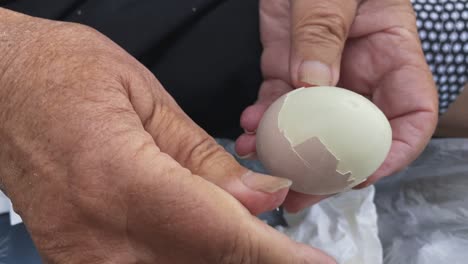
368	46
104	167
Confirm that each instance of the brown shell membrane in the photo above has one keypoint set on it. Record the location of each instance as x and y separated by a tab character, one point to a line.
319	160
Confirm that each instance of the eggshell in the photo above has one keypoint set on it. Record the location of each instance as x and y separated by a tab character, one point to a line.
325	139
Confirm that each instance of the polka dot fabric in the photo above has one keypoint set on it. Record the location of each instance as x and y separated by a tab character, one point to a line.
443	29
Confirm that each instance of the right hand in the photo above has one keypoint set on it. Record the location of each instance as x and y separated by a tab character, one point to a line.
370	47
104	167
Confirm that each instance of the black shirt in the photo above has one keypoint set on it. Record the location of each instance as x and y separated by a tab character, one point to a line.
205	52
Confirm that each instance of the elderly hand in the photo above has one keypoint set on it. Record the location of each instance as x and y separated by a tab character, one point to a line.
104	167
368	46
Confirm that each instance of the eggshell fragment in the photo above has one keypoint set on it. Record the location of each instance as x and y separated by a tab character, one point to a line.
325	139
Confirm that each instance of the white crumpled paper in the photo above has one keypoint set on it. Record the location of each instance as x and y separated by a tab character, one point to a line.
344	226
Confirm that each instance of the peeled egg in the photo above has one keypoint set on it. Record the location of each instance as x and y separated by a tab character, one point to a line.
325	139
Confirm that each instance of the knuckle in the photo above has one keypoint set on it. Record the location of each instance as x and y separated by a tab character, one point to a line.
322	27
200	152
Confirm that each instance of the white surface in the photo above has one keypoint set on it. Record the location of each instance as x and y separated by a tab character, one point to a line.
4	203
344	226
7	207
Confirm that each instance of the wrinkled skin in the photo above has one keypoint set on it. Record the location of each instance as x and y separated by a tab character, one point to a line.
104	167
372	48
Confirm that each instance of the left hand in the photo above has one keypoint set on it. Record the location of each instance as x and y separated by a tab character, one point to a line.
368	46
104	167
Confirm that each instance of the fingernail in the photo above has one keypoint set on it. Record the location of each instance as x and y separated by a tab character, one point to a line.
315	73
265	183
245	157
249	132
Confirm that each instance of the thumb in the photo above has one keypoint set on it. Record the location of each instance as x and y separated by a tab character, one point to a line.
199	219
319	31
257	192
177	135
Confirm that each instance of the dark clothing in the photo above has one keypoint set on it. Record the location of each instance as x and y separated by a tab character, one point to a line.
206	53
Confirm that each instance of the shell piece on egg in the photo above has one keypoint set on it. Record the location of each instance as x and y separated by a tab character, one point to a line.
321	162
325	139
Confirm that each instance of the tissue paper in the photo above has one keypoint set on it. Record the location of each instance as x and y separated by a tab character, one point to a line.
344	226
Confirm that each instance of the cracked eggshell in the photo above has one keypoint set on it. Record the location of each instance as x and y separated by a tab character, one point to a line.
325	139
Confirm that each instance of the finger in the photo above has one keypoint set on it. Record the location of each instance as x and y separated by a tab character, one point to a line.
177	135
251	117
199	218
319	32
245	146
203	156
270	91
412	133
